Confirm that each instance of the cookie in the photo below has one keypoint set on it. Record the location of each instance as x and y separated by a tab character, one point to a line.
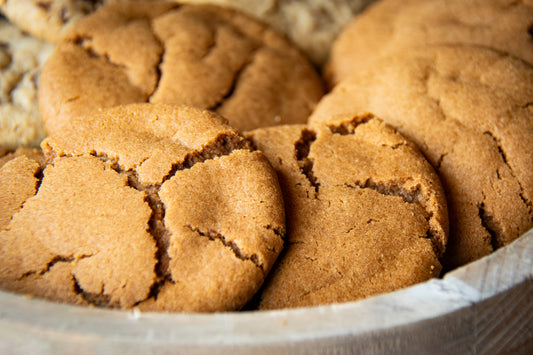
46	19
312	25
159	52
469	110
152	206
21	58
366	213
14	192
391	26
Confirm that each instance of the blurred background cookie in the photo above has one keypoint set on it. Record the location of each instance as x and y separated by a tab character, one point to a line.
46	19
200	55
312	24
366	212
469	110
21	58
390	26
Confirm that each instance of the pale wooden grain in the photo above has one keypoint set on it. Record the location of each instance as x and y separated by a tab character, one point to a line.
483	308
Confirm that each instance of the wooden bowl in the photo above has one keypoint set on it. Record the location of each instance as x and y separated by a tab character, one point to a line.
483	307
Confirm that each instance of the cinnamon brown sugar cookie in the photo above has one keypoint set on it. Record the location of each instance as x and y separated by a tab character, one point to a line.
159	52
21	58
366	213
391	26
151	206
470	111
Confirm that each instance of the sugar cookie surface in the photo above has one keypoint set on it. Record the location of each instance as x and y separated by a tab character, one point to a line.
151	206
391	26
366	213
469	110
160	52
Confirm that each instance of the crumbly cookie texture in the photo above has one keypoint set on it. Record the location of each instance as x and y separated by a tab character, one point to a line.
21	58
366	213
199	55
152	206
391	26
469	109
47	19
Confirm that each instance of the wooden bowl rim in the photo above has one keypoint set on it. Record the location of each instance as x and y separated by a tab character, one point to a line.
45	322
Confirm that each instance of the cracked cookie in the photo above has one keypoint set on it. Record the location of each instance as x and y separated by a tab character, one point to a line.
21	58
366	213
152	206
311	24
199	55
470	111
394	26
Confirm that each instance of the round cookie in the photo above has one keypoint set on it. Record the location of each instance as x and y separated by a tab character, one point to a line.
159	52
391	26
152	206
21	58
366	213
469	110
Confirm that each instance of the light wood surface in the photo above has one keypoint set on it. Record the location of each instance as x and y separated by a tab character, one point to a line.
483	308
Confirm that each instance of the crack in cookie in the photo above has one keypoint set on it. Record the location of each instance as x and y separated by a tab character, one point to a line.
214	236
302	149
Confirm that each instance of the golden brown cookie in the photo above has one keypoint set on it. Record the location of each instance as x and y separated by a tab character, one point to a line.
21	58
151	206
366	213
390	26
311	24
14	192
470	111
160	52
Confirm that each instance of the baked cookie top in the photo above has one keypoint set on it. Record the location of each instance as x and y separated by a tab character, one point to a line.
311	24
390	26
470	111
150	206
46	19
366	213
21	58
159	52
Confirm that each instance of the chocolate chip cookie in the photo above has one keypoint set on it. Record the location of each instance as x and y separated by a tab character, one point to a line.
21	58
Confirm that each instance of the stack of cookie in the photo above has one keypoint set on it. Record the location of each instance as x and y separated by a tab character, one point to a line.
193	165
